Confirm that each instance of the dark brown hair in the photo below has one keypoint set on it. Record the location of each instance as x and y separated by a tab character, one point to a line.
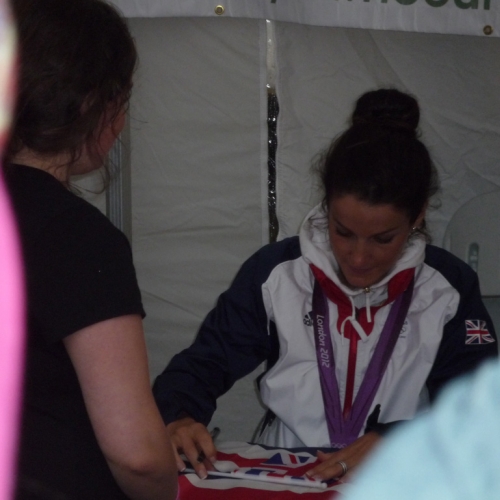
76	60
379	158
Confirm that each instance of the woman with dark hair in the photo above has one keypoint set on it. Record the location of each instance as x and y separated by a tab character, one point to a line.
90	425
360	320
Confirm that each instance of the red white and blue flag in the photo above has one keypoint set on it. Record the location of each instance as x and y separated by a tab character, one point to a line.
477	332
245	460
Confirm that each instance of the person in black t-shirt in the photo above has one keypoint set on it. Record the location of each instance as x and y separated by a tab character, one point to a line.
90	426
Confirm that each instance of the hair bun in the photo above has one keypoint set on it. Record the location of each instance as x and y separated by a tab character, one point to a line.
387	107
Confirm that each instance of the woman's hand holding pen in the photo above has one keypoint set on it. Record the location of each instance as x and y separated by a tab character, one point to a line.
338	465
193	440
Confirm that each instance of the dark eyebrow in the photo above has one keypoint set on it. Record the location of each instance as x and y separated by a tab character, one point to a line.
372	236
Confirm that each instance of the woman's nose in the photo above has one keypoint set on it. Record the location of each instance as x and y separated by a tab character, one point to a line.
359	254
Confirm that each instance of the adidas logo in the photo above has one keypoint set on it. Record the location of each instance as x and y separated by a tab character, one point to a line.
308	320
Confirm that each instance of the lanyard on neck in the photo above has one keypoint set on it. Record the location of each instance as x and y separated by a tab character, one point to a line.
343	431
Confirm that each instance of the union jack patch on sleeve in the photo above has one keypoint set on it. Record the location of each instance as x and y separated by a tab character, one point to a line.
477	332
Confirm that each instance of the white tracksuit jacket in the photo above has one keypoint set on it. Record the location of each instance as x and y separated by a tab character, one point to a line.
265	315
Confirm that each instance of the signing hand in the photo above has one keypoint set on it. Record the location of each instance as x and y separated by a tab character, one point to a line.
194	440
351	456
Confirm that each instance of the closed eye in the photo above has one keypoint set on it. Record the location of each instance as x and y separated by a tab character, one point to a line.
383	240
344	233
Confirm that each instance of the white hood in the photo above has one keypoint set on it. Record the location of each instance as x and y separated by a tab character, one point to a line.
315	247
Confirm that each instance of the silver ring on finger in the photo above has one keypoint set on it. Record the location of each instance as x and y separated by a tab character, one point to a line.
344	468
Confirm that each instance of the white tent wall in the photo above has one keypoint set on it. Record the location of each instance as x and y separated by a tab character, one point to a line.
199	175
199	142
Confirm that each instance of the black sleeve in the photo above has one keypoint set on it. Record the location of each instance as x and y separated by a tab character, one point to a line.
232	341
79	271
461	350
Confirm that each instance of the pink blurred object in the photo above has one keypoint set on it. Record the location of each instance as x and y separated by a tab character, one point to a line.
11	344
11	283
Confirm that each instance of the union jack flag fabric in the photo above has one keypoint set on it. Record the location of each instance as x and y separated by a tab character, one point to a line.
477	332
254	460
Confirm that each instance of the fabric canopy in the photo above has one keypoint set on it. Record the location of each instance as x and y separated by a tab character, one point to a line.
467	17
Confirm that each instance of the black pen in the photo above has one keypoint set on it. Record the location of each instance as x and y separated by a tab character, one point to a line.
214	433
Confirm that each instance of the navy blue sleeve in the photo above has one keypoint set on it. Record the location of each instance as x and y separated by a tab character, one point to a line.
460	350
232	341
